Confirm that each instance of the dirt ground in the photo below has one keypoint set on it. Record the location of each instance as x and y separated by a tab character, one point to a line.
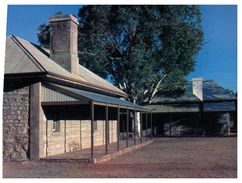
165	158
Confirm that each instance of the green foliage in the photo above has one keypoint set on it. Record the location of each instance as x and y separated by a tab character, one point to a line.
44	35
143	49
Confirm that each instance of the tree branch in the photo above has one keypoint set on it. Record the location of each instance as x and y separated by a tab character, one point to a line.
156	88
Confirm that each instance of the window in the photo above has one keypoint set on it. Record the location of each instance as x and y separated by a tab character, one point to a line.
56	126
94	125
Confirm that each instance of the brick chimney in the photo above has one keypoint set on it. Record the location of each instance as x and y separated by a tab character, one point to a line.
197	87
63	42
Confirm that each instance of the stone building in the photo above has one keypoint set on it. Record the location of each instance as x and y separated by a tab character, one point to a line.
205	108
52	105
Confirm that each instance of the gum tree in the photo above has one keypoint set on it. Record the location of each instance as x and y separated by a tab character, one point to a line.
141	49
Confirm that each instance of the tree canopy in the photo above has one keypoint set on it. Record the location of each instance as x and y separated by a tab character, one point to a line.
141	49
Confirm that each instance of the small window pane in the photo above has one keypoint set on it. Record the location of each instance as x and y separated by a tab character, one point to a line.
94	125
56	126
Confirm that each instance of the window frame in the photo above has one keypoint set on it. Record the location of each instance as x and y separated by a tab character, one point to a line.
56	129
95	125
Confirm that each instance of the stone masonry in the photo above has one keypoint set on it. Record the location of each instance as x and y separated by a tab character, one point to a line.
74	135
16	125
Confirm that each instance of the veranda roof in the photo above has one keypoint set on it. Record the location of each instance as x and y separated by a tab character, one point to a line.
192	107
57	93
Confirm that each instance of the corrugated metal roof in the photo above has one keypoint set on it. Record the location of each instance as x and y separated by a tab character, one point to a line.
33	58
208	107
223	106
41	57
90	77
17	61
81	94
211	91
173	108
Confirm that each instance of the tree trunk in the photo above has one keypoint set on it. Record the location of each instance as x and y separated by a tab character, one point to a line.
156	89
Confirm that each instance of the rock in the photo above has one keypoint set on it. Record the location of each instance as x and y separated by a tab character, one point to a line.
8	140
18	148
9	149
25	140
25	147
13	156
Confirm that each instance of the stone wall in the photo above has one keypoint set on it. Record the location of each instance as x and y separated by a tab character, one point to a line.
72	140
112	131
55	140
16	125
99	133
75	135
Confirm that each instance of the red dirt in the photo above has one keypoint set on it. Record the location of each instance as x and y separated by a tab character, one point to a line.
165	158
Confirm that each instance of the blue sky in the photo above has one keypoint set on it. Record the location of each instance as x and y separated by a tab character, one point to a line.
217	60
